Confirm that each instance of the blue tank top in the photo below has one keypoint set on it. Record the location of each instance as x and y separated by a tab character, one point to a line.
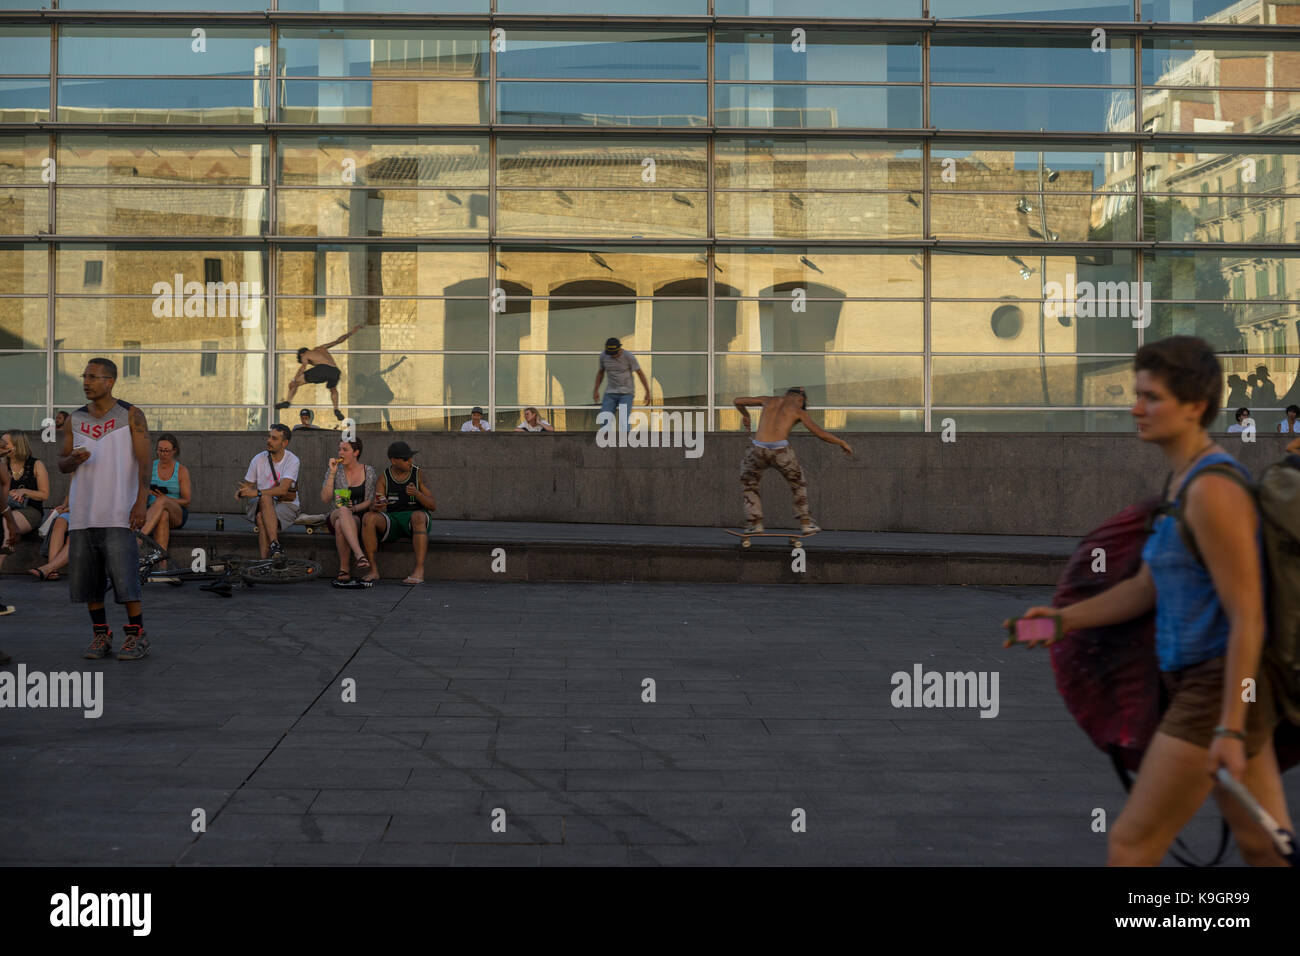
1191	626
172	484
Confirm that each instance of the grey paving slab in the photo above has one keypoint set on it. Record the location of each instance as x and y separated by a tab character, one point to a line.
526	697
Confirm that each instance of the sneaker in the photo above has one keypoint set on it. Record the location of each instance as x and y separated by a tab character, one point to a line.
136	644
281	404
810	527
276	553
338	414
101	646
755	528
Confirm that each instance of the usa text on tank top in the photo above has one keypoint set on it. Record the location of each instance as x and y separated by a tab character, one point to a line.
398	499
104	487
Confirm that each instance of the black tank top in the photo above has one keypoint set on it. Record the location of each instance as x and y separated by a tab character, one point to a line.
27	480
398	499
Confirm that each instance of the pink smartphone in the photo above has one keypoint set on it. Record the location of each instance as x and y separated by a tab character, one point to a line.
1035	628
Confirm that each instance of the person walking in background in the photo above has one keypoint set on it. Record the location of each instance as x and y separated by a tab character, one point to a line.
1289	425
619	364
105	448
169	486
317	367
1210	623
270	490
29	486
1240	426
350	487
533	422
770	448
476	422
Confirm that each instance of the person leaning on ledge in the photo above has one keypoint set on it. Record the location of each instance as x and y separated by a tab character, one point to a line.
476	422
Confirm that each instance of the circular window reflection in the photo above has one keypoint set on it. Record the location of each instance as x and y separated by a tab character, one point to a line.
1007	321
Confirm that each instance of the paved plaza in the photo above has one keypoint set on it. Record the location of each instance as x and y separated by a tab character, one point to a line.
527	698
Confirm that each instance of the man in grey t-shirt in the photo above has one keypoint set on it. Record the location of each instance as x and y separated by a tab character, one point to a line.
619	364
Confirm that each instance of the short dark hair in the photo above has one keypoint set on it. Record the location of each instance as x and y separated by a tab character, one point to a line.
168	436
301	350
283	430
1188	367
355	443
1242	411
108	365
1293	408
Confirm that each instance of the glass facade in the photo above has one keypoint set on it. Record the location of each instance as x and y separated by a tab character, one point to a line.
918	210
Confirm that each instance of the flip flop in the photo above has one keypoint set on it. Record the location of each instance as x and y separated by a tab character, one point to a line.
411	582
362	563
37	573
342	578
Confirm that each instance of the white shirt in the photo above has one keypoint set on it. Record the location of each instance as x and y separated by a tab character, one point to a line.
469	426
259	470
525	427
104	486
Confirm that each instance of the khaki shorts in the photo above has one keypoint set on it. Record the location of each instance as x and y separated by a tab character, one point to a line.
1196	700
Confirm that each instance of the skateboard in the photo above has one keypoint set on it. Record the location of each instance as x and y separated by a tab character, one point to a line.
312	523
796	537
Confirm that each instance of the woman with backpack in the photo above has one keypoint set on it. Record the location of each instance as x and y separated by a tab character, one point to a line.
1209	625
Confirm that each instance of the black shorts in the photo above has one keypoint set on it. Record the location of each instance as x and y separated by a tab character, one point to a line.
327	375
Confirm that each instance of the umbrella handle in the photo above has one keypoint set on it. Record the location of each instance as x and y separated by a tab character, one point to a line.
1284	840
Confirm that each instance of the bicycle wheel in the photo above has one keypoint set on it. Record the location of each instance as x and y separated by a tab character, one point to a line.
294	570
153	557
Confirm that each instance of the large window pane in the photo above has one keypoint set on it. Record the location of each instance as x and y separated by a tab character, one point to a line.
24	49
383	270
1026	380
643	214
1264	63
367	378
817	107
1031	58
22	159
1221	219
1197	168
434	325
1086	10
568	54
643	163
1027	325
161	212
886	381
977	166
817	8
383	53
105	323
828	56
163	101
1023	274
821	272
23	269
167	378
567	379
1019	108
823	326
22	377
396	102
1048	218
161	159
162	51
602	104
24	210
135	270
24	101
1222	276
582	325
666	8
805	215
809	163
22	323
377	160
600	271
381	212
385	6
1188	11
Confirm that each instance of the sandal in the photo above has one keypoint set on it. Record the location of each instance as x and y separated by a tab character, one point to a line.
361	562
38	573
342	577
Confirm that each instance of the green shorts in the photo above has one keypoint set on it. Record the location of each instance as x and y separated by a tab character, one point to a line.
399	525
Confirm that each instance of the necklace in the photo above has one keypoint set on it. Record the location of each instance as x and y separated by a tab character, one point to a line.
1173	482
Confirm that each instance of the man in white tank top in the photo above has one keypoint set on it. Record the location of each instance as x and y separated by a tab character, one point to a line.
105	447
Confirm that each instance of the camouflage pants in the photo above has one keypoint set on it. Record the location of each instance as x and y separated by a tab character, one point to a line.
758	460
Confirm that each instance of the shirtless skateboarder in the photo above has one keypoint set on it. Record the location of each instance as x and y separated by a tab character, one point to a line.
317	367
771	449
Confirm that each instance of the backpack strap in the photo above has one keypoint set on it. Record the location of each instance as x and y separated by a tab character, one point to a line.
1175	507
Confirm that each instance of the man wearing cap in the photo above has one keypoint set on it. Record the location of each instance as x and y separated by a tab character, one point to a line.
305	420
476	422
619	364
402	507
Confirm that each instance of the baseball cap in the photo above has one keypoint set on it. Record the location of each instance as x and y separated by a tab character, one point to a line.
476	408
307	412
400	449
612	345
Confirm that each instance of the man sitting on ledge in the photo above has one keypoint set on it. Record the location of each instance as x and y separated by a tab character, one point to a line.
402	507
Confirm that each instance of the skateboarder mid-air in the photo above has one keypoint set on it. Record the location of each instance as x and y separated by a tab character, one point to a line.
771	449
317	367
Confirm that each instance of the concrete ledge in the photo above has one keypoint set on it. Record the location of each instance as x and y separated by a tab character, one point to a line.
464	551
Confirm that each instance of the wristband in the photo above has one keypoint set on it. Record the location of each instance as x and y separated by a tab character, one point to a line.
1222	731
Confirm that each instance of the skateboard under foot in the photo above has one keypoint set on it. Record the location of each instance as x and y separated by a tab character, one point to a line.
796	537
312	523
